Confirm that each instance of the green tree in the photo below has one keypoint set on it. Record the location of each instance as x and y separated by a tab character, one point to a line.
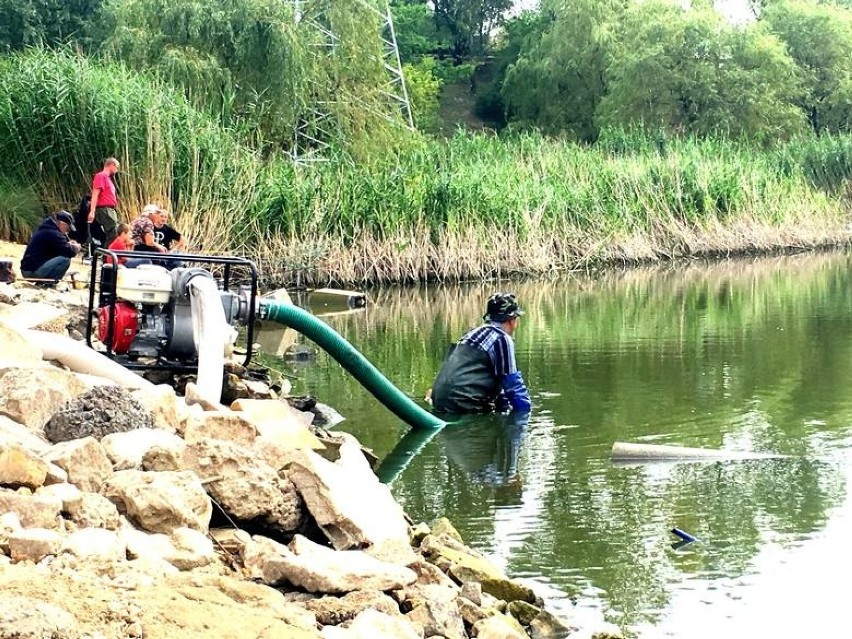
689	71
255	63
423	91
416	33
26	23
819	38
560	78
469	23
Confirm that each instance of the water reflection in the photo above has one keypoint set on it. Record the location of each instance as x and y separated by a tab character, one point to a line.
744	355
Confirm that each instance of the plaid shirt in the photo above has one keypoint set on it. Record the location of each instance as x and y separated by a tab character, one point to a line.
499	345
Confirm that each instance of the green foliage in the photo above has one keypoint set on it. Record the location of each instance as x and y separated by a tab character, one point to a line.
25	23
61	115
469	23
423	90
20	211
252	63
559	78
416	33
709	78
819	38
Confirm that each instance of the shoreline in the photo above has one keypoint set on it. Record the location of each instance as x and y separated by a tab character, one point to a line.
114	527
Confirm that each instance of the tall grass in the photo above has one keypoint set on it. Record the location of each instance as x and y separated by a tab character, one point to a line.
471	207
61	116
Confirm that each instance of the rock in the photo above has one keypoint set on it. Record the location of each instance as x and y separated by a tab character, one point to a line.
70	496
55	474
192	549
163	459
163	404
438	618
350	505
259	390
185	548
417	534
85	462
95	544
96	413
472	590
325	416
193	397
233	388
8	293
372	624
33	511
442	526
547	626
9	523
160	502
333	611
14	434
28	618
418	594
259	597
31	396
278	423
33	544
499	627
605	630
523	611
16	347
471	613
20	467
319	569
245	487
225	425
126	450
94	511
468	565
430	574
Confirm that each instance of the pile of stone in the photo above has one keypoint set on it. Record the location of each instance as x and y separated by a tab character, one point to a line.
131	491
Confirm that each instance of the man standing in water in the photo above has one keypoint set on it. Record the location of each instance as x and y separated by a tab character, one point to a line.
480	374
105	200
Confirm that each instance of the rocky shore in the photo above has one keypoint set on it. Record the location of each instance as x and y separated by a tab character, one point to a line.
145	513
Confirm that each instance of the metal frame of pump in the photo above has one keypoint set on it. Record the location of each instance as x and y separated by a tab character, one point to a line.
108	299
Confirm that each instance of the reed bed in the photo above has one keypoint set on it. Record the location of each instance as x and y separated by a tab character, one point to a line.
472	207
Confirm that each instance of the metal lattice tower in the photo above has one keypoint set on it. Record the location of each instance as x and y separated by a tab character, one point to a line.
320	125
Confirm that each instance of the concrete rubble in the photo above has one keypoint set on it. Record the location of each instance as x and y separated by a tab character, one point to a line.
197	521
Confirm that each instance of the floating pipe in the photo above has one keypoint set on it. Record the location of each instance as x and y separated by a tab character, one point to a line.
685	536
627	452
347	356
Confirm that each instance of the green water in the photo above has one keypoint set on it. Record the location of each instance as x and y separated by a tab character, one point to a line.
739	355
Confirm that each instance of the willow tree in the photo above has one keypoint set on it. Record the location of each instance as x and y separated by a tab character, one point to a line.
819	38
276	67
690	71
560	78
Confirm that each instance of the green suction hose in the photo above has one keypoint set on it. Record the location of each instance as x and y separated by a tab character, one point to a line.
347	356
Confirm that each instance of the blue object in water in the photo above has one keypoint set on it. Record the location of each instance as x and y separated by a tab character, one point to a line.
684	535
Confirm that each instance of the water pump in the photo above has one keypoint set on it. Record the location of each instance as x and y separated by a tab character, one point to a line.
145	314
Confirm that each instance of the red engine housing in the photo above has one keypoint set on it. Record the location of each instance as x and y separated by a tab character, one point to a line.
125	328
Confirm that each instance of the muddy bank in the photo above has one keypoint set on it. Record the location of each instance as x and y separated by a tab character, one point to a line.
138	512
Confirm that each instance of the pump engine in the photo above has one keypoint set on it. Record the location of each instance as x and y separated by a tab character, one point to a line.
145	313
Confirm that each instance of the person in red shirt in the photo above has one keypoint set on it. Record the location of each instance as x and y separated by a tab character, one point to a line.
105	200
123	242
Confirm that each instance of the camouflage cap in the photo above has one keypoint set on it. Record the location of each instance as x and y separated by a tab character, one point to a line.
502	307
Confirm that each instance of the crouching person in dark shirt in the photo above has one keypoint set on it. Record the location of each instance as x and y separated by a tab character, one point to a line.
49	251
480	374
